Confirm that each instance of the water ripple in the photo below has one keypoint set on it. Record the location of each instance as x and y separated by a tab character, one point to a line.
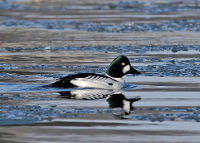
165	25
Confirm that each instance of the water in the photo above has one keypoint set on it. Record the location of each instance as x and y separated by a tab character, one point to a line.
41	41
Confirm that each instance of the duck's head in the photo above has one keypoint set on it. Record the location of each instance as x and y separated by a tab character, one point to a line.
121	66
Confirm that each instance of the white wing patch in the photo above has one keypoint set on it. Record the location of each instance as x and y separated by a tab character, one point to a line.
96	82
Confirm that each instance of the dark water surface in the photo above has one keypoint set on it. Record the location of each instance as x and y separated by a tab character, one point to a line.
41	41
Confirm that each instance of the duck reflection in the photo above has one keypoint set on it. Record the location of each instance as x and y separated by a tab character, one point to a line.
86	94
118	100
119	104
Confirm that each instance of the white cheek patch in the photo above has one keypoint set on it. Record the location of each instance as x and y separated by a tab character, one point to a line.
126	106
126	69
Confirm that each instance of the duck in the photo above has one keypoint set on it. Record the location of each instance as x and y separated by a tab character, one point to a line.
118	68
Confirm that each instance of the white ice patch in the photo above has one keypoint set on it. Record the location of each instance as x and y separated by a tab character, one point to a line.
126	69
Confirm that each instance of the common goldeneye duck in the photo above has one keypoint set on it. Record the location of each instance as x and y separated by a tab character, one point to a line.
119	67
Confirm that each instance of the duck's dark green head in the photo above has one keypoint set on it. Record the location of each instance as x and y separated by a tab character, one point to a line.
121	66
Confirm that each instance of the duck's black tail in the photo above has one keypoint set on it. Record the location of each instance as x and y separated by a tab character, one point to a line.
62	83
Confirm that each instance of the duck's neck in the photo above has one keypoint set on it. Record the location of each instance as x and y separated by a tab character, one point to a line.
114	73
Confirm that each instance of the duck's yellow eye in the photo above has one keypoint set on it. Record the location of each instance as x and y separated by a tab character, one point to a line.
123	63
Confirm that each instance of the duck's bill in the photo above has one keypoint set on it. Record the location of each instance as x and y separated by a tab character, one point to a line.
133	71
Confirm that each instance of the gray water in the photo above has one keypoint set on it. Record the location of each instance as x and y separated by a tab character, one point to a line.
41	41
